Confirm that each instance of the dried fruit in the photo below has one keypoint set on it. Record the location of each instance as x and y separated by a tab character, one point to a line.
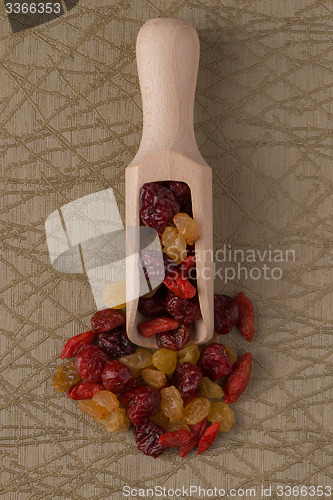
114	295
174	340
117	377
160	419
179	285
157	325
154	378
246	317
197	430
65	377
238	378
174	426
215	361
116	343
186	227
196	410
84	390
158	205
74	344
106	320
181	190
175	438
186	379
174	245
165	360
210	389
226	312
183	310
187	267
189	353
208	437
147	439
140	359
152	306
172	403
117	421
193	396
221	412
232	354
106	399
143	404
93	409
125	397
90	361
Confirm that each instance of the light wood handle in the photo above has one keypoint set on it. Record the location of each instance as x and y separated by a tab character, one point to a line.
168	57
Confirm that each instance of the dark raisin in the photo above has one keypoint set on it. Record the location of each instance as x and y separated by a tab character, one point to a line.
116	343
226	313
90	361
183	310
147	439
158	205
143	404
176	339
215	361
117	377
186	378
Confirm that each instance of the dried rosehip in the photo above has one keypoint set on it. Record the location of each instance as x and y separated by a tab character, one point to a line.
179	285
208	437
183	310
175	438
238	378
245	321
74	344
143	404
187	266
90	361
158	205
186	379
106	320
197	430
84	390
157	325
117	377
152	306
215	361
116	343
174	340
147	439
226	312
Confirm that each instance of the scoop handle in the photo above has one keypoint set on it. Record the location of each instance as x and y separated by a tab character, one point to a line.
167	52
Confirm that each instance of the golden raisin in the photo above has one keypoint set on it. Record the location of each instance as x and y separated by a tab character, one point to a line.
196	410
140	359
186	227
106	399
172	403
65	377
117	421
114	295
232	354
174	426
93	409
190	354
160	418
154	378
165	360
174	245
210	389
221	412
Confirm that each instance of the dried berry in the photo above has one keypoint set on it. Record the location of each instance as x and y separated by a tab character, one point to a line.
174	245
174	426
143	404
154	378
196	410
106	320
125	397
181	190
174	340
93	409
215	361
65	377
186	227
186	379
238	378
157	325
210	389
152	306
187	267
117	377
197	431
116	343
193	396
74	344
221	412
246	317
208	437
139	360
172	403
183	310
106	399
84	390
90	361
232	354
225	313
160	419
158	205
175	438
147	439
165	360
189	353
179	285
117	421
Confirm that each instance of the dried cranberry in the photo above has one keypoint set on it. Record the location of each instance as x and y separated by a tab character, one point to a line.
157	325
84	390
187	267
245	321
183	310
117	377
225	313
186	378
176	339
125	397
158	205
152	306
90	361
74	344
106	320
116	343
147	439
215	361
143	404
181	190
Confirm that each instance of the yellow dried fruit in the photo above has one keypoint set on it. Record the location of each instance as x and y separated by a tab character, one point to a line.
93	409
165	360
106	399
160	418
232	354
186	227
65	377
196	410
221	412
174	245
154	378
174	426
172	403
114	295
190	354
140	359
117	421
210	389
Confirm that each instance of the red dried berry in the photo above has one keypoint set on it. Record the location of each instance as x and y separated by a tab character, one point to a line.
188	400
150	265
208	437
147	439
186	378
125	397
183	310
197	430
238	378
106	320
176	438
152	306
176	339
143	404
89	363
116	343
246	317
179	285
74	344
186	266
215	361
181	190
225	313
157	325
117	377
158	205
84	390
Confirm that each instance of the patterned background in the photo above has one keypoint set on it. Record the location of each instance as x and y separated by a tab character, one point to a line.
70	123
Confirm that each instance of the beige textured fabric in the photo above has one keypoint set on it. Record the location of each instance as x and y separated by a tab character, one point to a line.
70	123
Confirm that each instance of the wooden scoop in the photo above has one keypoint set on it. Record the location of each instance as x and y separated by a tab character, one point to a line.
167	57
